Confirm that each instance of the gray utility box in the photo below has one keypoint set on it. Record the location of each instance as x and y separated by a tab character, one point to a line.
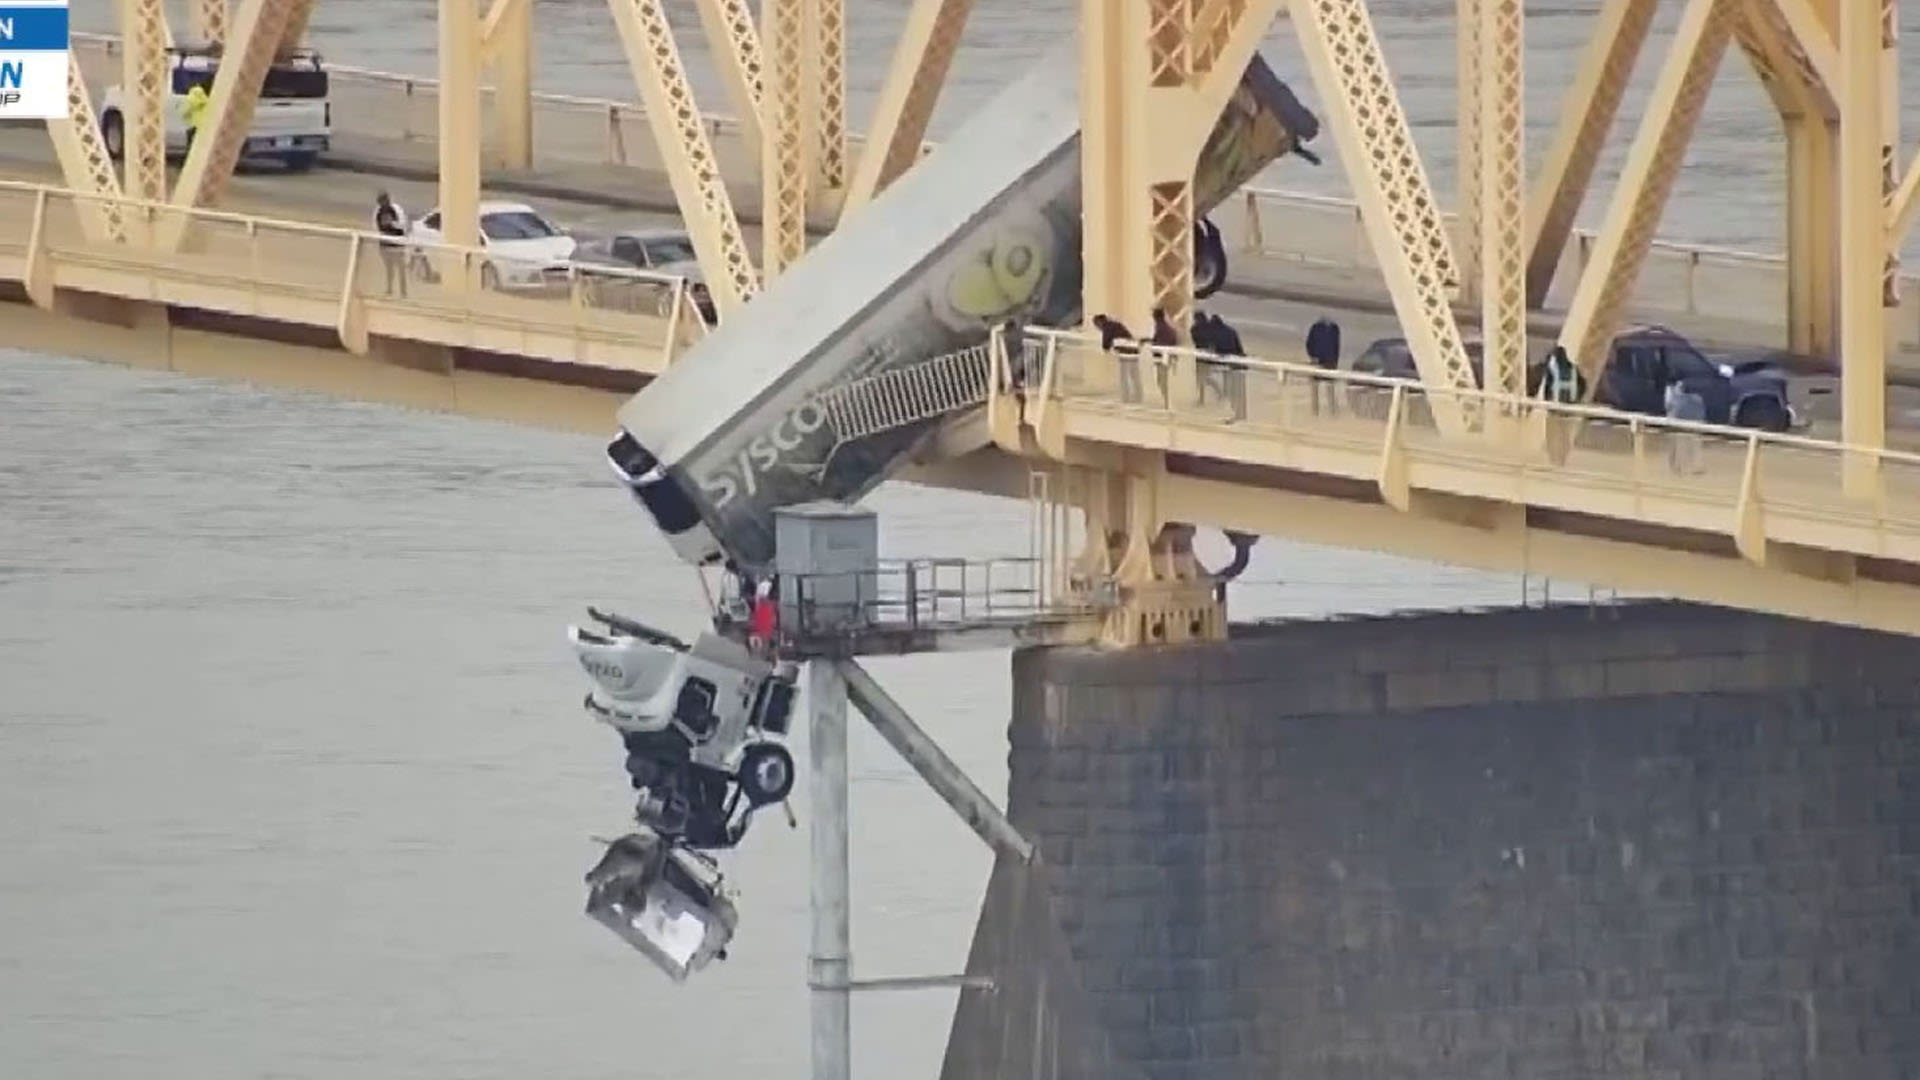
827	556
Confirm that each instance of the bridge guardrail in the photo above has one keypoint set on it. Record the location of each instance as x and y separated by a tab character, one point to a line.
1749	485
1326	232
1287	226
326	276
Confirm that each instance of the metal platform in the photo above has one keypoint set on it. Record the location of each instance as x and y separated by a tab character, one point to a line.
934	605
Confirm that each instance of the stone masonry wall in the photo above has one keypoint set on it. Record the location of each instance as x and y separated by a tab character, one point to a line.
1654	841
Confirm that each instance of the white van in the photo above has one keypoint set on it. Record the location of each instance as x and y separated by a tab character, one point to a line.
292	122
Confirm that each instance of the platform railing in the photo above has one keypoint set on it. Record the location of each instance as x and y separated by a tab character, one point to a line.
320	275
1748	485
925	595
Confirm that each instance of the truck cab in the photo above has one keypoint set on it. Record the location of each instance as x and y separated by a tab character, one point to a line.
292	123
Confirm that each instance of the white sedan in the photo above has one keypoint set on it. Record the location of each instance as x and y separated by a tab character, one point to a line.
524	249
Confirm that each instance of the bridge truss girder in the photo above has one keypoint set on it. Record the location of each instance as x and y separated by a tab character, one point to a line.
254	37
1653	163
692	169
144	85
85	164
210	21
1390	185
785	134
734	41
506	50
899	129
1587	117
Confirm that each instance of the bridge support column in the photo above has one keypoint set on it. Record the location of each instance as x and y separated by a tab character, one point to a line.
459	122
829	965
506	42
1863	246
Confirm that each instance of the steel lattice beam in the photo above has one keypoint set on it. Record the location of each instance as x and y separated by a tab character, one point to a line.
84	162
920	64
828	80
1653	163
1502	174
783	154
1390	183
735	44
256	33
691	167
1587	115
144	79
210	21
1469	156
295	32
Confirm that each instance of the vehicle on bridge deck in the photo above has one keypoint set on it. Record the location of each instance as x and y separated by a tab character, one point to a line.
662	251
533	252
292	122
1744	389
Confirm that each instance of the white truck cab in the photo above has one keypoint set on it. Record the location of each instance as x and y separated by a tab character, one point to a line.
292	122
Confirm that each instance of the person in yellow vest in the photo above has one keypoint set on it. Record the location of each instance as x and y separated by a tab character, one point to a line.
197	99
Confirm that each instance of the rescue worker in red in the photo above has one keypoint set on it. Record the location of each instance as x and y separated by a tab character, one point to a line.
763	622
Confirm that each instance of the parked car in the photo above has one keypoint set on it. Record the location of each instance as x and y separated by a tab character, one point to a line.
292	119
524	249
1741	389
661	251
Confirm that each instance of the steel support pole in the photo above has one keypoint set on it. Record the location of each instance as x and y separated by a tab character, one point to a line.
1863	330
828	962
918	749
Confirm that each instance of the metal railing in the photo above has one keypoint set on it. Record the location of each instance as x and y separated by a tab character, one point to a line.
321	275
907	395
1699	280
925	595
1749	485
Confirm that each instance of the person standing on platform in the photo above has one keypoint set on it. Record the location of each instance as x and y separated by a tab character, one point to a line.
1323	348
391	223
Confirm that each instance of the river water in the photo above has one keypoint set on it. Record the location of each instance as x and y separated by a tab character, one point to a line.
293	778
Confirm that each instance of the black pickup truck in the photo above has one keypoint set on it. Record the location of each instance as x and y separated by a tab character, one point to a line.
1742	389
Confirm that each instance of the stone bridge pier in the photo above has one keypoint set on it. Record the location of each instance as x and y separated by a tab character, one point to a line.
1656	840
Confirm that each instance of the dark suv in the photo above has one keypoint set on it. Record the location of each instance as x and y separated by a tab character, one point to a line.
1745	391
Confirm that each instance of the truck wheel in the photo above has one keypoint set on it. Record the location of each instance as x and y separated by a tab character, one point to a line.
766	773
1763	414
113	132
302	162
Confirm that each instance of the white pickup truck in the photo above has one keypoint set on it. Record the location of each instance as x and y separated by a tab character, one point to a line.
291	124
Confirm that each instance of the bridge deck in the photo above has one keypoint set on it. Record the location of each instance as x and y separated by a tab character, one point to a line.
1707	511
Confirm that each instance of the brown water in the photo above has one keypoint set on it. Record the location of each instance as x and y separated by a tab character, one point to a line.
293	779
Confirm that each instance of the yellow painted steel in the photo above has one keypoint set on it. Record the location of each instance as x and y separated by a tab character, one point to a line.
1775	523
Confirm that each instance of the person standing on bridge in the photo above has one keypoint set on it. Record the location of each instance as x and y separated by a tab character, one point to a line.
391	223
1118	340
1164	337
1323	348
196	111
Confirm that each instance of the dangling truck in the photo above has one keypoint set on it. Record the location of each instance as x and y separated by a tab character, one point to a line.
985	230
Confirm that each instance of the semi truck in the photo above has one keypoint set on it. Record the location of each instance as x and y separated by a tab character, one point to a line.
985	230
